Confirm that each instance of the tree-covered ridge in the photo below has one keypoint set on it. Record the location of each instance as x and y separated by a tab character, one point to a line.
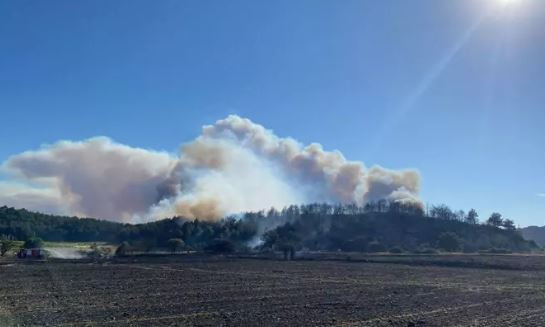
22	224
376	227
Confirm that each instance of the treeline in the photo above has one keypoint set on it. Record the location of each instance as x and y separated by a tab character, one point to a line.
21	224
375	227
396	228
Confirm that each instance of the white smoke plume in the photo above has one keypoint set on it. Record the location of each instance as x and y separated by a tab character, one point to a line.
235	165
64	253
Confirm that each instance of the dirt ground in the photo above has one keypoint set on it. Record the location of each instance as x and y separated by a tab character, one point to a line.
216	291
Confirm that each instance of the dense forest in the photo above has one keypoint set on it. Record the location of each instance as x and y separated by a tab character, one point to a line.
377	227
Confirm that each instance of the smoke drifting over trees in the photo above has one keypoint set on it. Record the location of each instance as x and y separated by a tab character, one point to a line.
235	165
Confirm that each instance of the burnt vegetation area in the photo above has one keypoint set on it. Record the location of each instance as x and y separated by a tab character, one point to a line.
377	227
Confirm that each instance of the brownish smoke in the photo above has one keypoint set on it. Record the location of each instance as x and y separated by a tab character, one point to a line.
235	165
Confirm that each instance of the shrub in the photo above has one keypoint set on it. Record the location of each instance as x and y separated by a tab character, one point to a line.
6	244
34	242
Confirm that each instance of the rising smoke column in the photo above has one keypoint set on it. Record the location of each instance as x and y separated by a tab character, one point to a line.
234	165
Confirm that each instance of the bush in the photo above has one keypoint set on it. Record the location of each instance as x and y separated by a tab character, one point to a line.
374	247
220	246
34	243
396	250
6	244
449	242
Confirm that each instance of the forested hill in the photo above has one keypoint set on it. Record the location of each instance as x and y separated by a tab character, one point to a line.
21	224
534	233
373	228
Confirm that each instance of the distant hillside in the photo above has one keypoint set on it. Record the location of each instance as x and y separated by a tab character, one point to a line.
534	233
319	227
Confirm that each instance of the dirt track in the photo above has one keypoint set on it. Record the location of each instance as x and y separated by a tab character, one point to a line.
238	292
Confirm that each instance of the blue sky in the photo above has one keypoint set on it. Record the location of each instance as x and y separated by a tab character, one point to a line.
455	89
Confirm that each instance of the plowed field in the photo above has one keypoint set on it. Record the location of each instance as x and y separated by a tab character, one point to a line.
212	291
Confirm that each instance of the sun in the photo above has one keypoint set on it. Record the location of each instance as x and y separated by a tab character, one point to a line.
508	2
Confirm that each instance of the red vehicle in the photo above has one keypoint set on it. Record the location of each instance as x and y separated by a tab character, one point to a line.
31	253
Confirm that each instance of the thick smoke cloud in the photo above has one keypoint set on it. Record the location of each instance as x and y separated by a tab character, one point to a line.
235	165
96	177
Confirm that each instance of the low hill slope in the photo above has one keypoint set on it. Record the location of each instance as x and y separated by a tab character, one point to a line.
534	233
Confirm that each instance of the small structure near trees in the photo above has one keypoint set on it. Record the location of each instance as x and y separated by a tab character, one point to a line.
34	253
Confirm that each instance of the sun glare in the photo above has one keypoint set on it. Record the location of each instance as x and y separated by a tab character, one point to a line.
508	2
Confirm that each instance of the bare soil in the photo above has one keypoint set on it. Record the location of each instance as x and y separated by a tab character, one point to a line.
217	291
